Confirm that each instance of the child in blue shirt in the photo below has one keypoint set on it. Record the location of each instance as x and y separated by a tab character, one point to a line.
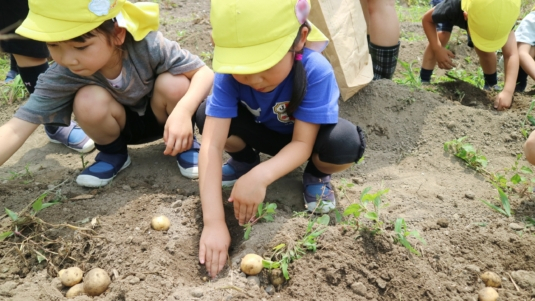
271	95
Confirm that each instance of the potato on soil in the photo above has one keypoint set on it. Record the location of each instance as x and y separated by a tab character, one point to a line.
77	290
70	276
488	294
276	277
96	282
491	279
160	223
251	264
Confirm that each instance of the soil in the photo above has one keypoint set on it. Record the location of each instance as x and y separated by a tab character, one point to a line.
432	190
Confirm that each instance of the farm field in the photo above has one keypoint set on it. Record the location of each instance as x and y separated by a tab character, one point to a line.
409	186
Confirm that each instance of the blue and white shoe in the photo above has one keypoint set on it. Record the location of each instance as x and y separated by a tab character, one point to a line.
10	76
105	168
188	161
318	193
71	136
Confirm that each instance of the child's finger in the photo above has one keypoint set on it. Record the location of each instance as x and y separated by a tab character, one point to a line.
202	253
222	260
242	218
208	264
169	146
214	266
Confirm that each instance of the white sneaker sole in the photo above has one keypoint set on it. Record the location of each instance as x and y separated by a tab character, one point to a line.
92	181
190	173
88	146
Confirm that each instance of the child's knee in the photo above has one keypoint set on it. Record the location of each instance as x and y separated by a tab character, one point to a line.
529	148
172	87
92	103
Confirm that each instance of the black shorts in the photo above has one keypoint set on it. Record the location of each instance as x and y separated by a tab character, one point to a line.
12	12
141	129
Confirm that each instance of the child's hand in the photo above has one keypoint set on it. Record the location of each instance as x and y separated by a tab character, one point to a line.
178	134
247	194
213	247
503	100
443	57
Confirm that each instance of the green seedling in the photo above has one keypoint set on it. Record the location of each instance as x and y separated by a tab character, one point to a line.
410	76
25	175
402	235
264	212
528	119
84	161
504	199
474	78
206	56
467	153
286	253
13	91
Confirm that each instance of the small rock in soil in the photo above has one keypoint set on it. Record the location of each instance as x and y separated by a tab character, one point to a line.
253	281
197	292
134	280
127	188
358	180
270	290
381	283
359	288
525	279
440	197
443	222
473	268
516	227
470	195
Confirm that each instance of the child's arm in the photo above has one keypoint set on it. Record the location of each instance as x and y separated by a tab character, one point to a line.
442	55
529	148
510	56
526	60
215	237
178	125
13	134
250	189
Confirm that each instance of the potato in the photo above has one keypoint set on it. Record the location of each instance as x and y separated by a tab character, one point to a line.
276	277
491	279
77	290
160	223
96	282
251	264
488	294
70	276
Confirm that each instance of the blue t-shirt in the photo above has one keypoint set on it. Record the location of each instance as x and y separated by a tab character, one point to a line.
319	106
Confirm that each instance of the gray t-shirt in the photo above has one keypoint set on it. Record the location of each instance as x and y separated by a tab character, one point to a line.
143	61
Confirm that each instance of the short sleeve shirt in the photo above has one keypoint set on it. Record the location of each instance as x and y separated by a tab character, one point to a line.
143	61
319	105
450	11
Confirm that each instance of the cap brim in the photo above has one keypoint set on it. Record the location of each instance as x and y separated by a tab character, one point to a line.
484	44
252	59
40	28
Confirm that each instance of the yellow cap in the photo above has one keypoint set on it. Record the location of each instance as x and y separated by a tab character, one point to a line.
251	36
62	20
490	21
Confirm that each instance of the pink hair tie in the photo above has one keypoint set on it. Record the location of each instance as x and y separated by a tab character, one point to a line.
298	56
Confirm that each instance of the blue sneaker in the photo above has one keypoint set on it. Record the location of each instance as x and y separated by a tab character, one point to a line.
71	136
10	76
105	168
493	88
233	170
188	161
318	194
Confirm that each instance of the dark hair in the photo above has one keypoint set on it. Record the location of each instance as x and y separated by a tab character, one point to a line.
107	29
300	77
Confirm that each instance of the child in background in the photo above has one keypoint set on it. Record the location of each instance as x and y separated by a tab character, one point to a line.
525	38
271	95
29	58
124	81
489	23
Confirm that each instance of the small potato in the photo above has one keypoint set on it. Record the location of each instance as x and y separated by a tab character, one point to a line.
77	290
251	264
96	282
70	276
488	294
160	223
276	277
491	279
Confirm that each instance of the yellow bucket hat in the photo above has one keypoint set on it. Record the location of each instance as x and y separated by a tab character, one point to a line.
490	21
251	36
62	20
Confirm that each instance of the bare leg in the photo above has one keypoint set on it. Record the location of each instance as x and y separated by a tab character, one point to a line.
429	62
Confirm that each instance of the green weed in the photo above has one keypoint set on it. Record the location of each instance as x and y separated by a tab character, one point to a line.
528	119
474	78
26	176
504	199
264	212
206	56
410	76
467	153
402	235
13	91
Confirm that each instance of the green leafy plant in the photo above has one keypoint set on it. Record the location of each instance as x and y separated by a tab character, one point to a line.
474	78
528	119
402	235
264	212
467	153
26	176
410	76
505	205
286	253
13	91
